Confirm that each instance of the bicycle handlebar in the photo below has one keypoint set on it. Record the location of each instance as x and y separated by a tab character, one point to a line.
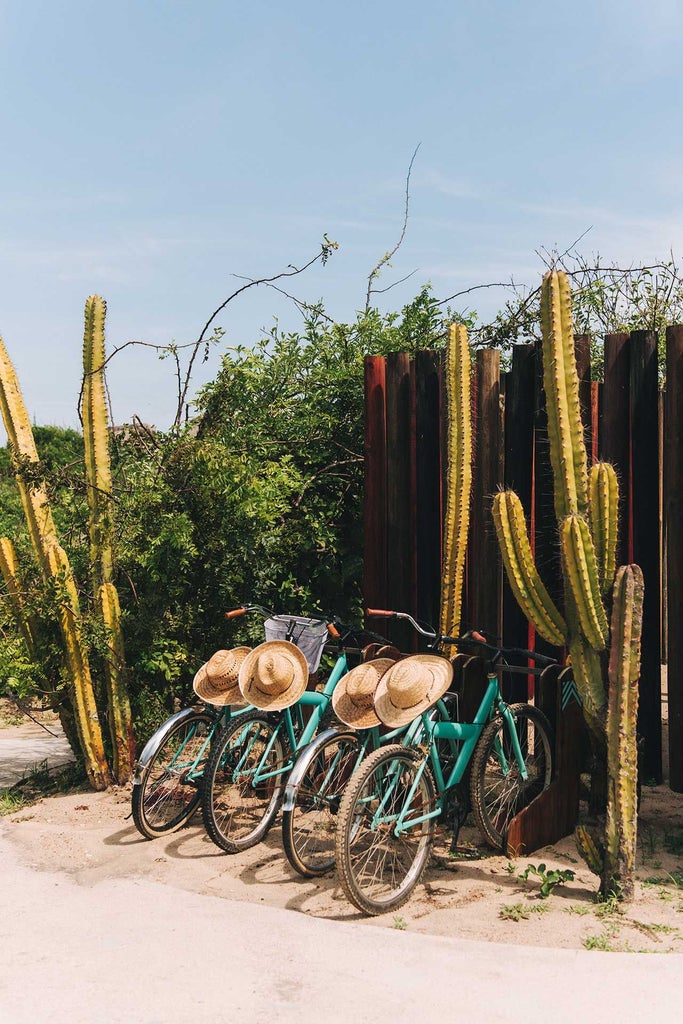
471	637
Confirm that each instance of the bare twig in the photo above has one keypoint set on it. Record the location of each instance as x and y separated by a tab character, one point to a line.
374	273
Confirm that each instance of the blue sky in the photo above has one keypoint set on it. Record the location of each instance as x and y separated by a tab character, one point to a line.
154	149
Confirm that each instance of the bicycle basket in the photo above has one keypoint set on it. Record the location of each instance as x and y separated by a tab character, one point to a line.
309	635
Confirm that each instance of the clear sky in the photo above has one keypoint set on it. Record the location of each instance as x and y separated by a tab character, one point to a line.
151	150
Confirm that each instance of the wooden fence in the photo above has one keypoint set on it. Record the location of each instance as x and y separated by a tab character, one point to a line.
628	421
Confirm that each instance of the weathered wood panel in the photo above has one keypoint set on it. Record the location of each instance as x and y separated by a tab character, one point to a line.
645	533
673	489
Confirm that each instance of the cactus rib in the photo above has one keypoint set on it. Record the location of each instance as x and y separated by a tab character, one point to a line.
526	584
560	378
458	477
9	566
578	556
603	515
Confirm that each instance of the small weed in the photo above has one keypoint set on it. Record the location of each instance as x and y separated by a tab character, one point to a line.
578	908
601	942
499	888
400	923
10	802
510	868
608	906
514	912
549	878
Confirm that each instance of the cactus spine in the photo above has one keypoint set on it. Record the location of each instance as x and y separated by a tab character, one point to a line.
458	477
99	481
603	512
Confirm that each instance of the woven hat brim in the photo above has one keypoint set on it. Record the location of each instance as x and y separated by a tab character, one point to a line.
220	693
277	702
395	717
346	709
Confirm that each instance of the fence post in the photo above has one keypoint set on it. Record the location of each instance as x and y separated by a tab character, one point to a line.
375	514
487	477
400	495
519	454
645	512
673	494
614	429
428	529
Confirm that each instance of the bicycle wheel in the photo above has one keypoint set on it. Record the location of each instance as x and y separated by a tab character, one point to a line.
497	789
308	828
238	813
378	870
169	791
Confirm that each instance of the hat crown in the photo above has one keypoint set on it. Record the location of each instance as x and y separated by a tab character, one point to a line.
222	665
407	685
275	674
361	687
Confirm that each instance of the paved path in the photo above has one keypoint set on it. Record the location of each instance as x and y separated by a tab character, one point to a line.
28	746
135	951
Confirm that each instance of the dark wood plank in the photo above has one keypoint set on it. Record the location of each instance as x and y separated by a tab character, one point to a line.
428	525
614	428
375	514
673	503
644	393
518	476
486	563
555	812
400	498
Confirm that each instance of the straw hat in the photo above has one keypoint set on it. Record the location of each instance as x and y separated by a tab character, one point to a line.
411	686
274	675
353	694
217	680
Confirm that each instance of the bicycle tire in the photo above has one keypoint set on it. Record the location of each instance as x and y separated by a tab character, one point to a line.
309	827
236	814
164	800
497	795
377	870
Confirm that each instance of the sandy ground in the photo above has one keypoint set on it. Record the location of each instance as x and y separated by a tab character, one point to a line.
100	925
475	895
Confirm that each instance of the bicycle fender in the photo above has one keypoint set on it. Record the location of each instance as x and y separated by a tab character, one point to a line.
156	739
304	760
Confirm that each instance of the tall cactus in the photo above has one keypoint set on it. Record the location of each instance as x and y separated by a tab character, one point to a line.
622	752
586	509
458	477
9	567
54	566
99	481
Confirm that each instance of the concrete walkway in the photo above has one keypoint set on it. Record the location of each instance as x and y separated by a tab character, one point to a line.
135	951
25	747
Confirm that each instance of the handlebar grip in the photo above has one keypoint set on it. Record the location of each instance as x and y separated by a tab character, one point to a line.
475	635
333	631
236	612
379	613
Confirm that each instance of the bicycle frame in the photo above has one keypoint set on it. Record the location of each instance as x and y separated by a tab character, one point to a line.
465	733
370	739
318	700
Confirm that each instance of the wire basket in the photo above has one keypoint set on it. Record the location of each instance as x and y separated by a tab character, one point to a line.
309	635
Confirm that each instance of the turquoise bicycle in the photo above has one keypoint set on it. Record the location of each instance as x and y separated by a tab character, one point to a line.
389	809
249	764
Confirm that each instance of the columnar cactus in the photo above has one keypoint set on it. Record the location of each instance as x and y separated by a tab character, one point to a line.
98	477
54	566
586	508
622	752
9	567
458	477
